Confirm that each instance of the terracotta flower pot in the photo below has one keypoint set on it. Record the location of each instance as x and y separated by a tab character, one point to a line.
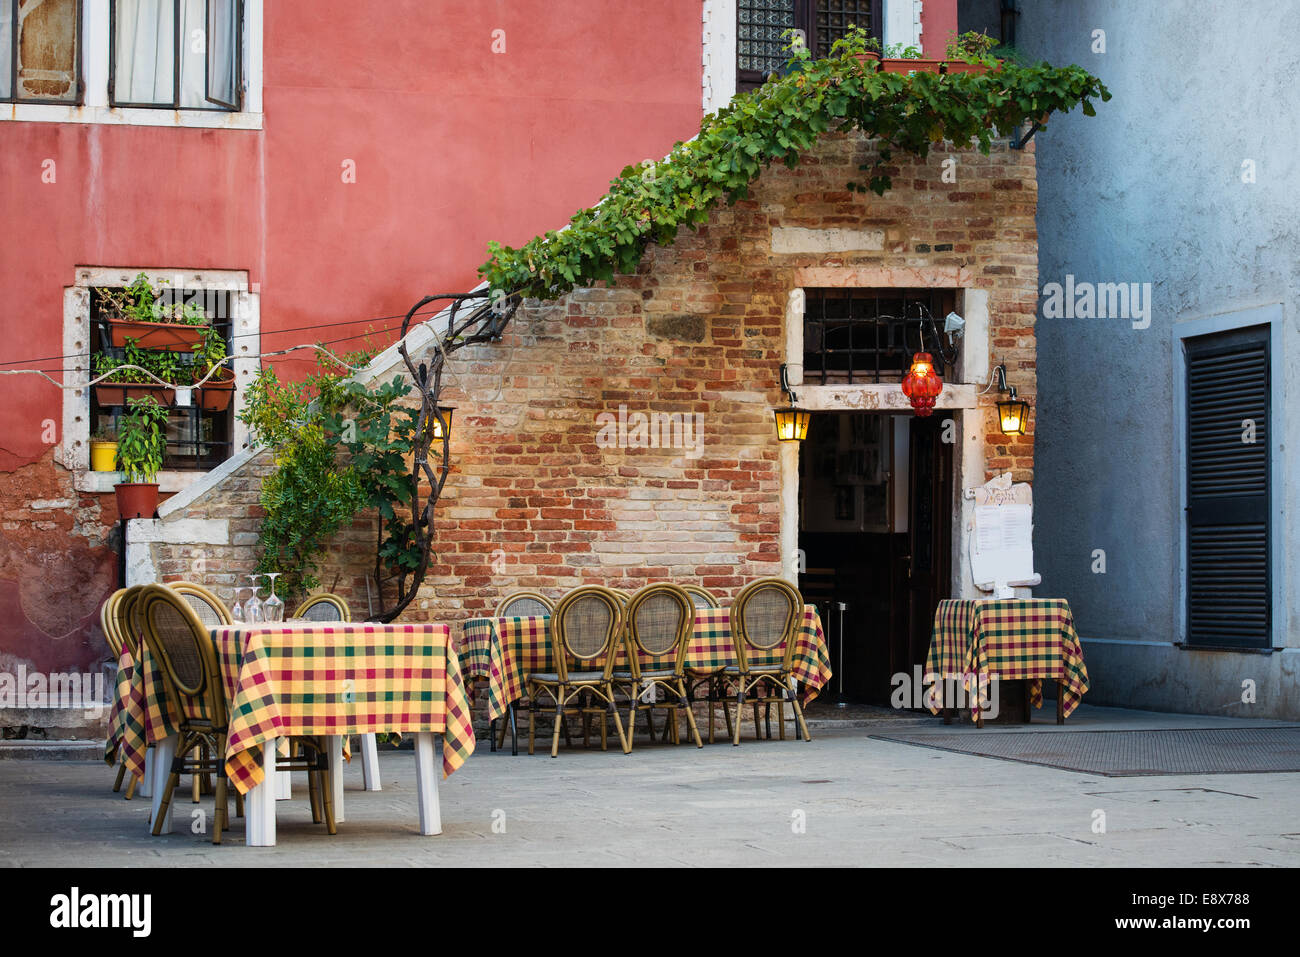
215	394
137	499
890	65
117	393
168	336
869	59
103	456
954	67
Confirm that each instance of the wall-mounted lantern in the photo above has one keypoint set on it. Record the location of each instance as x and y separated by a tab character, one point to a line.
1013	412
922	384
435	427
791	422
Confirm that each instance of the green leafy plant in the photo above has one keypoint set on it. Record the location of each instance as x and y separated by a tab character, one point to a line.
209	351
340	447
900	51
168	366
142	440
779	122
140	302
971	47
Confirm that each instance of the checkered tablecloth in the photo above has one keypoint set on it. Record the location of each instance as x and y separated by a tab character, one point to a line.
1014	639
325	678
332	678
504	650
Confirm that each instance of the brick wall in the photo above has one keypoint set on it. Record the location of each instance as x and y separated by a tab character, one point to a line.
537	500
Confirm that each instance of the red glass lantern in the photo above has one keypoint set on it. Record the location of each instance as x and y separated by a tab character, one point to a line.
922	384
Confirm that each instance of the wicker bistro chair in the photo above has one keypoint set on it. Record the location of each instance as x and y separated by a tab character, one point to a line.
660	622
764	621
586	626
212	612
324	607
520	604
182	644
701	597
108	623
210	609
127	629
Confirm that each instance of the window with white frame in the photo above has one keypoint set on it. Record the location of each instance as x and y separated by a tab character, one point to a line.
145	62
203	427
175	54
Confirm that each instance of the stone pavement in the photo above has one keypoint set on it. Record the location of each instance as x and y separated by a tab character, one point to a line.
844	799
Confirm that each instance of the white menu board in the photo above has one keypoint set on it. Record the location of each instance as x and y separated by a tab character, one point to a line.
1001	540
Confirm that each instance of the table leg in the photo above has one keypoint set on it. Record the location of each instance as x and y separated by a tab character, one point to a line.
259	803
370	763
514	733
1060	701
145	787
427	771
334	743
156	777
1029	700
284	783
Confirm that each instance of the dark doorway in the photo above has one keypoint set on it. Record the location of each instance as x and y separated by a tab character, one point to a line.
875	527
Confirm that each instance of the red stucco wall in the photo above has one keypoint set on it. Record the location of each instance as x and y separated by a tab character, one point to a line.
453	145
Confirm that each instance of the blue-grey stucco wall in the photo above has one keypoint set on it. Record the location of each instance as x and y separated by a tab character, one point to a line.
1151	191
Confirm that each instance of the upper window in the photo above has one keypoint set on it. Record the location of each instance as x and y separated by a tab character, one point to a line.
760	46
40	51
854	336
176	54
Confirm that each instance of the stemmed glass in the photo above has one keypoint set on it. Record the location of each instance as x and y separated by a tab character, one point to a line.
237	609
273	607
253	607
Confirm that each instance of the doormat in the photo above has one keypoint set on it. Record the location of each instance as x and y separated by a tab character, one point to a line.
1117	754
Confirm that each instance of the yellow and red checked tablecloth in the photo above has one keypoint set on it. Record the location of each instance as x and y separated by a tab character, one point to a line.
1014	639
322	678
504	650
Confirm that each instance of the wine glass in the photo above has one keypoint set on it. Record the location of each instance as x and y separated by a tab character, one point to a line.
273	607
253	607
237	609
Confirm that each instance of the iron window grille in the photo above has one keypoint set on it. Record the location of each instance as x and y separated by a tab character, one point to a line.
218	15
760	46
197	439
54	29
869	335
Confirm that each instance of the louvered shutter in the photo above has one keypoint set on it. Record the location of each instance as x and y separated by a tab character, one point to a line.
1228	575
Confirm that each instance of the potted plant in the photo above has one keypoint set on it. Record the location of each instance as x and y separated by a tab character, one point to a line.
103	451
138	313
970	52
870	57
907	59
210	353
141	444
124	384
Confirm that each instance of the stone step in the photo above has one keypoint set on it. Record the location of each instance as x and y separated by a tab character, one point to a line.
27	749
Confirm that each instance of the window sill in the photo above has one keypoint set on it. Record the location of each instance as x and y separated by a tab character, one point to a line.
102	482
129	116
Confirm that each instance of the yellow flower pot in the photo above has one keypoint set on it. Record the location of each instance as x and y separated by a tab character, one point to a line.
103	456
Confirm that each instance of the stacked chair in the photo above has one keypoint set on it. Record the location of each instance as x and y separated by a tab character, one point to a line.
521	604
765	614
586	628
660	622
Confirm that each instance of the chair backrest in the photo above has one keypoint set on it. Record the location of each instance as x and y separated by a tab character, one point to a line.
701	597
129	626
181	643
108	622
765	614
660	621
586	625
324	607
209	608
524	604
